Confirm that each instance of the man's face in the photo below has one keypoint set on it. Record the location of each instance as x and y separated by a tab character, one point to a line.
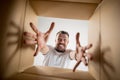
61	42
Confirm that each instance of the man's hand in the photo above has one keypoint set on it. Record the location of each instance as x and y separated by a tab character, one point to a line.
40	38
81	53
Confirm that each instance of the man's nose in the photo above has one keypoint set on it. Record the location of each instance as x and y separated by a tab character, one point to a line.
61	41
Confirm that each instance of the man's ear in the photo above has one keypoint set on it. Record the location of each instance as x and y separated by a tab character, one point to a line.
68	41
55	40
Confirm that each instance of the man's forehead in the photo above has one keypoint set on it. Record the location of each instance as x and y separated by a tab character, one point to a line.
62	35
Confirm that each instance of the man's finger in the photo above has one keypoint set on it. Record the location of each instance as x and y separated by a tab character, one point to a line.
90	56
76	65
51	27
84	60
88	46
77	39
34	27
37	50
46	35
30	35
30	42
77	43
77	48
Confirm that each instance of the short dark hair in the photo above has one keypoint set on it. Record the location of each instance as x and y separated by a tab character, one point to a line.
63	32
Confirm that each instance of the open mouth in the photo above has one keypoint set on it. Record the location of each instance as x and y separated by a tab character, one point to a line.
60	48
61	45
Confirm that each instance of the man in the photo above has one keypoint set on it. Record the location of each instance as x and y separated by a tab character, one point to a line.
58	56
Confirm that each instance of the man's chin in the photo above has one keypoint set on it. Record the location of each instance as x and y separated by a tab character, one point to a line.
60	50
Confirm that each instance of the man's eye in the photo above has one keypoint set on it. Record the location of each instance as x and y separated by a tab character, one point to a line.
59	39
64	39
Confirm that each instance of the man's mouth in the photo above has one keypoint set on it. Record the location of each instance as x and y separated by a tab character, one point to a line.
61	45
60	48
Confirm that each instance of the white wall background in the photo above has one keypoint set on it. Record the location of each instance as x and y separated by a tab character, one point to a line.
69	25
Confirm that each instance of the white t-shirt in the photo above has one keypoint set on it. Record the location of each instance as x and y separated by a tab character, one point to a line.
57	59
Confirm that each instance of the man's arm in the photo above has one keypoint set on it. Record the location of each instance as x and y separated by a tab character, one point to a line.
44	50
72	55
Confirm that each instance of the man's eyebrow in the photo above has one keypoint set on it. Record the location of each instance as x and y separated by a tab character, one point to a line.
63	37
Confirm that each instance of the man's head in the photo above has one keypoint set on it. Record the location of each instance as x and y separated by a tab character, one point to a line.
62	40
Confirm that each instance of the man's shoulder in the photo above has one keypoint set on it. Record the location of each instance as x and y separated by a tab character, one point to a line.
50	47
69	50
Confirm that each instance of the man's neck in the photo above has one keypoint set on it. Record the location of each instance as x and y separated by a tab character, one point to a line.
59	50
